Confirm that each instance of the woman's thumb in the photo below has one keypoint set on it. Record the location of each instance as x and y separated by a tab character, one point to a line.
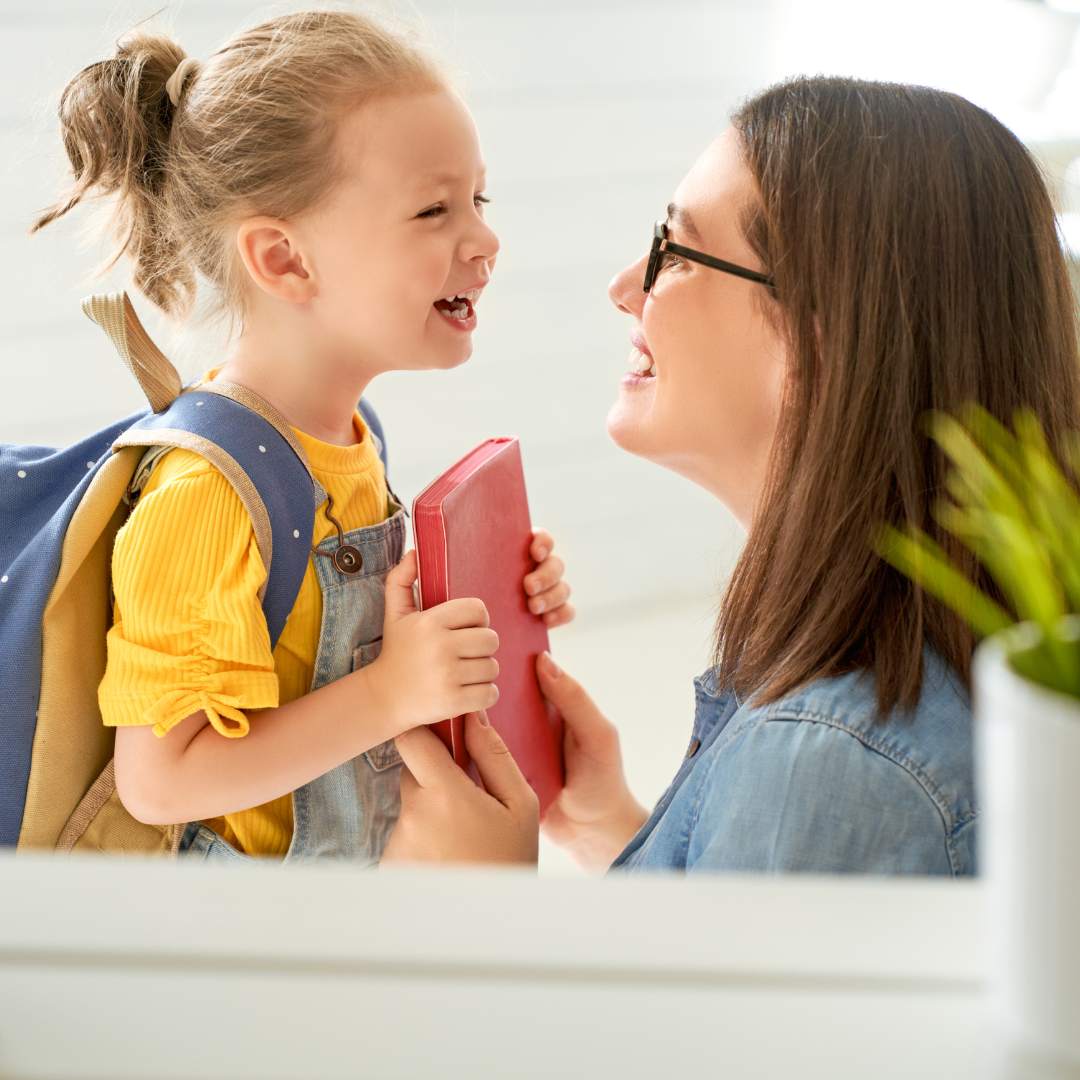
578	710
499	771
399	589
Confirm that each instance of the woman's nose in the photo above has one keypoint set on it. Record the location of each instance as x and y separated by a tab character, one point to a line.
625	289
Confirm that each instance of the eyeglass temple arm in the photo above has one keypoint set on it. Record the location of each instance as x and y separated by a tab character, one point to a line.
717	264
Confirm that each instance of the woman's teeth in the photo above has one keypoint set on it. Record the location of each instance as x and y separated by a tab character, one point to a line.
640	364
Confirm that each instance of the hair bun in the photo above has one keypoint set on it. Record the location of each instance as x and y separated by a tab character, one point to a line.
174	85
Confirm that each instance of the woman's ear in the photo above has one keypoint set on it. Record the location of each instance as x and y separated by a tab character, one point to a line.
271	255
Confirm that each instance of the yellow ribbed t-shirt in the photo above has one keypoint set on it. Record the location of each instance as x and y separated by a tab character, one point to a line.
188	629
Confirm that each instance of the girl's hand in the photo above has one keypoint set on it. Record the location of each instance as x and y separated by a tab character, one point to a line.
595	815
445	817
433	664
544	586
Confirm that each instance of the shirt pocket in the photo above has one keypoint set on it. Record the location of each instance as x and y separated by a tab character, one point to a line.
384	756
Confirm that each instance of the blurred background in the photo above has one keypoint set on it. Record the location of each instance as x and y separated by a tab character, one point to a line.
589	113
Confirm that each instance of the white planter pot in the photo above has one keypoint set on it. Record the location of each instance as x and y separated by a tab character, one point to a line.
1028	762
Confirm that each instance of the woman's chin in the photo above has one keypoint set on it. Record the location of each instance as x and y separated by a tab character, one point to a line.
626	425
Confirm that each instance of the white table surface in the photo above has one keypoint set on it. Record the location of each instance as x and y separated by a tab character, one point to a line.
130	968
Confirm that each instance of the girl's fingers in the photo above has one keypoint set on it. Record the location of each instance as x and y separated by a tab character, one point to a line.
399	588
560	616
550	599
475	672
548	574
477	698
466	613
475	644
542	545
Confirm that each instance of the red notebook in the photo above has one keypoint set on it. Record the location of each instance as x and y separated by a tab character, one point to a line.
473	533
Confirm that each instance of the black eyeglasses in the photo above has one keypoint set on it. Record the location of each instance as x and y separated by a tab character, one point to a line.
662	246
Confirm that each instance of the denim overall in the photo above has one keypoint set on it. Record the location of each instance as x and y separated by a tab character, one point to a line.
348	812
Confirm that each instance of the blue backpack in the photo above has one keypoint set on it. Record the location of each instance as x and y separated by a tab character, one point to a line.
60	511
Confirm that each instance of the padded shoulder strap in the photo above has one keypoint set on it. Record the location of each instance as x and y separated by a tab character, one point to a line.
273	482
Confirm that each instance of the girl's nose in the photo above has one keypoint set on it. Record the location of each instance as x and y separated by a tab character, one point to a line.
625	289
482	243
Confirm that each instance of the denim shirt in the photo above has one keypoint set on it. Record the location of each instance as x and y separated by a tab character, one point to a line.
816	782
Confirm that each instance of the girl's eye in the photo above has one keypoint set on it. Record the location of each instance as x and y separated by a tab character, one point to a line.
667	259
438	211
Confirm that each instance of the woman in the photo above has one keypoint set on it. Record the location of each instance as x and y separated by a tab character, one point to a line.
844	258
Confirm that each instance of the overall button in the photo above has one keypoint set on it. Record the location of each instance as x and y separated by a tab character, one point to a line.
347	559
693	748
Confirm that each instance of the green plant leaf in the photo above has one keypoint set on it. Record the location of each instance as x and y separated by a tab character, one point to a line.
1016	507
918	557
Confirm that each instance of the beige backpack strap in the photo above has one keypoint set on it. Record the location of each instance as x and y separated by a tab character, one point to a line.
100	823
260	405
159	380
227	465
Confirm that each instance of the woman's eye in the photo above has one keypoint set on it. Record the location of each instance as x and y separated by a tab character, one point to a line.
667	259
482	199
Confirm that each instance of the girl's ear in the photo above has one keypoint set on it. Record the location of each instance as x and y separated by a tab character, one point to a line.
271	255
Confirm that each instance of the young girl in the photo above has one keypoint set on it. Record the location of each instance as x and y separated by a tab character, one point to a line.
321	174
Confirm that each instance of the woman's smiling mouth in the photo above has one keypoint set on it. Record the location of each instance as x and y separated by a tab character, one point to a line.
640	361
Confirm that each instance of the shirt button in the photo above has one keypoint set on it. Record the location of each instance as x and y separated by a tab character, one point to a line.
695	745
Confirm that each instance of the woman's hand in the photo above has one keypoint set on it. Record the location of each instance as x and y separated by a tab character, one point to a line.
595	815
445	817
547	592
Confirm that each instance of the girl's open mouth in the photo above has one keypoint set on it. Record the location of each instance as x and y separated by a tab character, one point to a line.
459	310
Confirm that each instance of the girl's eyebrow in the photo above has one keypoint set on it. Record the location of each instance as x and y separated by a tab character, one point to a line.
435	179
683	221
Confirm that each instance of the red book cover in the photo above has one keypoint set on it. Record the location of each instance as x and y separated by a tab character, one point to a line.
473	532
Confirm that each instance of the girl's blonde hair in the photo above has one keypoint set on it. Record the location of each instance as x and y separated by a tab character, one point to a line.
253	133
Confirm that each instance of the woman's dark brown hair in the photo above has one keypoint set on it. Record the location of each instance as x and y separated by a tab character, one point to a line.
918	267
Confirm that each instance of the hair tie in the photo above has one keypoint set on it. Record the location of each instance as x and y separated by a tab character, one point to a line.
175	85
